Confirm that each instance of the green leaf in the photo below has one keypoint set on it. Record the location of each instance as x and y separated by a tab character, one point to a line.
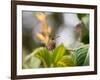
44	55
31	62
81	54
85	20
40	56
81	15
65	61
58	53
61	57
86	62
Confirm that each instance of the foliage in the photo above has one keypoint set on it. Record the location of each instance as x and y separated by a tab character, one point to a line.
85	29
58	57
81	55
